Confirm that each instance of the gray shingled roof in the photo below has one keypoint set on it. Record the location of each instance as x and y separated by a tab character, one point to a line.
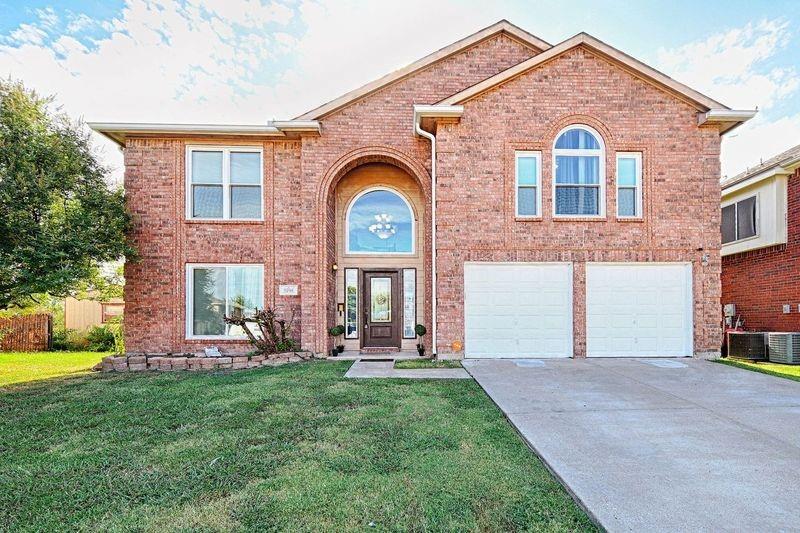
792	154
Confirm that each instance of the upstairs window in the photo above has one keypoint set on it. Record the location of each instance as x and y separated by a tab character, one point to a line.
629	185
739	220
380	221
578	173
224	183
528	171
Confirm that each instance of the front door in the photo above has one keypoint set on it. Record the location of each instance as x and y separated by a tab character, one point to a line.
381	309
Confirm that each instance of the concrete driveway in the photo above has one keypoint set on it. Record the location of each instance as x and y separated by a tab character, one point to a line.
660	444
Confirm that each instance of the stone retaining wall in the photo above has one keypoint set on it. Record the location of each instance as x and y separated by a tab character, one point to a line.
169	362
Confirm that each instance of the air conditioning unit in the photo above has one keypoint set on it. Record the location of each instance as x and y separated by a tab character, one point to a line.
748	345
784	348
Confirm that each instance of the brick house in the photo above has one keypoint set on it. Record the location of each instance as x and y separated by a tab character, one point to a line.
761	243
516	197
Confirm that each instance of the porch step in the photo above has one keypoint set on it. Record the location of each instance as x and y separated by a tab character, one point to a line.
379	350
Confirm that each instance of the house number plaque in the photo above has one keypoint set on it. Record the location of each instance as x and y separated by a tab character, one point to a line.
287	290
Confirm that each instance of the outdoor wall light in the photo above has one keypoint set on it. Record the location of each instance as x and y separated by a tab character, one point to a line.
334	267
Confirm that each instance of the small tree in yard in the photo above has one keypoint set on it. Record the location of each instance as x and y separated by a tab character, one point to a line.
274	334
59	219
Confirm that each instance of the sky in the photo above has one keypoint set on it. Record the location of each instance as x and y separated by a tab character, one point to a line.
249	61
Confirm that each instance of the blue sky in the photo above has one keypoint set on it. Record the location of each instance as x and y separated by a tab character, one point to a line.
246	61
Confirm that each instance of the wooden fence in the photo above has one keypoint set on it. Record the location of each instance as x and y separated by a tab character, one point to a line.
30	333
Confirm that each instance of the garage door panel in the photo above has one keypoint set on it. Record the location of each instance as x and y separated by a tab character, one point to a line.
529	307
638	309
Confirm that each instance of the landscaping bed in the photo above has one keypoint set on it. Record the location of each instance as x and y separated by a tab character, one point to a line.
290	448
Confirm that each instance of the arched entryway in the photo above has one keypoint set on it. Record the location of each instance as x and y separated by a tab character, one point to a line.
374	272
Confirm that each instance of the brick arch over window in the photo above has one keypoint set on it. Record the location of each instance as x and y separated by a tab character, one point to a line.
566	121
326	236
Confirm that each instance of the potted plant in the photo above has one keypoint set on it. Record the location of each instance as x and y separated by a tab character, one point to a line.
420	330
336	331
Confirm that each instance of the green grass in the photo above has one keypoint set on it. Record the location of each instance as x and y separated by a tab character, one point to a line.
414	364
773	369
19	367
293	448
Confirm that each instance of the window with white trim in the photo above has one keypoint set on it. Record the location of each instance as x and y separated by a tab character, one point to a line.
224	183
215	291
578	173
629	184
528	178
740	220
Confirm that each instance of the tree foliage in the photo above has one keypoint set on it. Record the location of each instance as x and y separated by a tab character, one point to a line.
59	218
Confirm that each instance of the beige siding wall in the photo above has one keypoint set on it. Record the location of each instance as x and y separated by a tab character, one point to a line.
83	314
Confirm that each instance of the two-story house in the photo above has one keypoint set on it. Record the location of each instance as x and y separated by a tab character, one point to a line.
518	198
761	243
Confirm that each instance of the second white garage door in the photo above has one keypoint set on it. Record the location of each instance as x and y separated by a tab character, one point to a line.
518	309
638	309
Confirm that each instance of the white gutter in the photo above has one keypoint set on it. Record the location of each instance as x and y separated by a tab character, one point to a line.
433	111
117	131
730	118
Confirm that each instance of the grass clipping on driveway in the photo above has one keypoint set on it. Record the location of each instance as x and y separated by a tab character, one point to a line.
290	448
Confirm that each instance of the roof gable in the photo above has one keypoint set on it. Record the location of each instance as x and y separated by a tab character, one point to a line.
502	26
634	66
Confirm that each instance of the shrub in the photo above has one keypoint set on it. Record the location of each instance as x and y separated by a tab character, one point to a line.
101	339
70	340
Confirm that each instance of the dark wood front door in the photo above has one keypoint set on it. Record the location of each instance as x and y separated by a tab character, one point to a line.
381	309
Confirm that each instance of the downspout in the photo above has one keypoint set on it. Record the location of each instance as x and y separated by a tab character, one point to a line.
432	138
433	111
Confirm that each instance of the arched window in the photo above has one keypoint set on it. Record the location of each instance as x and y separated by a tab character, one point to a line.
380	221
579	172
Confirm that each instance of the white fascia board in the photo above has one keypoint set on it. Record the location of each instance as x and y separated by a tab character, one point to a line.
296	125
436	111
117	131
730	117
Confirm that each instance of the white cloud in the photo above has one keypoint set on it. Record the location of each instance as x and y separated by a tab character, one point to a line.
730	66
27	34
758	140
238	61
736	67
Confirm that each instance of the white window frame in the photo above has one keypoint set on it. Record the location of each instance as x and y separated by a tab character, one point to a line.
736	219
538	157
226	179
190	268
638	207
601	153
410	210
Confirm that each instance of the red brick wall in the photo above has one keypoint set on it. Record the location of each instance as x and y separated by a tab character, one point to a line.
476	185
759	282
290	243
296	242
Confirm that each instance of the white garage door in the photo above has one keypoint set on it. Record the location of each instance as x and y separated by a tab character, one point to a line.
518	309
638	309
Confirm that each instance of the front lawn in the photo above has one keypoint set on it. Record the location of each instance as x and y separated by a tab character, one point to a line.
293	448
773	369
19	367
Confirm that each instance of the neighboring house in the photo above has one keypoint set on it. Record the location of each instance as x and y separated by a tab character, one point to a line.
761	243
520	199
81	314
